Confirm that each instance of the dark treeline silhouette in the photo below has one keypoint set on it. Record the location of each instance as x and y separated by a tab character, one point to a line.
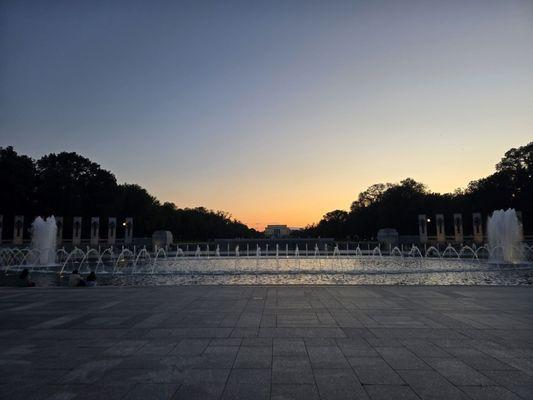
68	185
398	205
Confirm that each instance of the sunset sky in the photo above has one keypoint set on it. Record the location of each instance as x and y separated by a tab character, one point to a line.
274	111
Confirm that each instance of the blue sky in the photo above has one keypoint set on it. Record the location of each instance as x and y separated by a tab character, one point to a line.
274	111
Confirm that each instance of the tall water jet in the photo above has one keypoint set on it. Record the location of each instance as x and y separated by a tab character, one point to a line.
43	239
504	236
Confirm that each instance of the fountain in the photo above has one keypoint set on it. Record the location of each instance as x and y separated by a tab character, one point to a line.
43	240
504	234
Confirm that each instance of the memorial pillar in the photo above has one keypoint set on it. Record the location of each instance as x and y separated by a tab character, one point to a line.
59	236
95	231
76	231
520	224
128	231
423	228
477	227
458	228
18	229
439	223
111	230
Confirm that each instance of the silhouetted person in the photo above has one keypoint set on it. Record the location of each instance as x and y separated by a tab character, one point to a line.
75	279
23	279
91	279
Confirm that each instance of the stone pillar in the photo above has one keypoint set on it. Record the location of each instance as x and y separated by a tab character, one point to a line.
128	231
458	228
477	227
59	236
95	231
423	228
441	232
520	224
76	231
18	229
111	230
1	227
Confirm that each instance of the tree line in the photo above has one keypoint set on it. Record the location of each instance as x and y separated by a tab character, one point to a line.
397	205
68	185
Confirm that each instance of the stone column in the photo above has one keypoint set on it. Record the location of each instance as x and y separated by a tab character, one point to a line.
520	224
423	228
441	232
76	231
111	230
59	236
1	227
95	231
18	229
128	231
477	227
458	228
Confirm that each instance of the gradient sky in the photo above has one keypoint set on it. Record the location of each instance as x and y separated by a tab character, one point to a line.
275	111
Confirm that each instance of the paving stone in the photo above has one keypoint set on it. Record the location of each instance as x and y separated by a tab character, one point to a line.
489	393
254	357
294	392
338	384
190	347
391	392
374	371
327	357
185	341
248	384
293	370
401	358
458	372
430	385
151	391
202	384
289	347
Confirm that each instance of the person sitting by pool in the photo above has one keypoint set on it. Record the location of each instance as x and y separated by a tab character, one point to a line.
91	279
23	280
75	279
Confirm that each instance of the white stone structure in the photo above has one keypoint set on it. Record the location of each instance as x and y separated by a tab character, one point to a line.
458	228
128	231
111	230
477	227
423	228
59	236
76	231
277	231
441	231
95	231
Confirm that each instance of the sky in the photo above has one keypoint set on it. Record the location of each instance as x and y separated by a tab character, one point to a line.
274	111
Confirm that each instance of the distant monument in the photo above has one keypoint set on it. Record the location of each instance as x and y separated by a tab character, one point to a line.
95	231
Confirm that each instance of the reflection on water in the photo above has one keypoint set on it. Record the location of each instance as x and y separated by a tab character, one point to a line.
305	271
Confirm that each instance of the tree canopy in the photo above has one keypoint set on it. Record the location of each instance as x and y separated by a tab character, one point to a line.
68	185
386	205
